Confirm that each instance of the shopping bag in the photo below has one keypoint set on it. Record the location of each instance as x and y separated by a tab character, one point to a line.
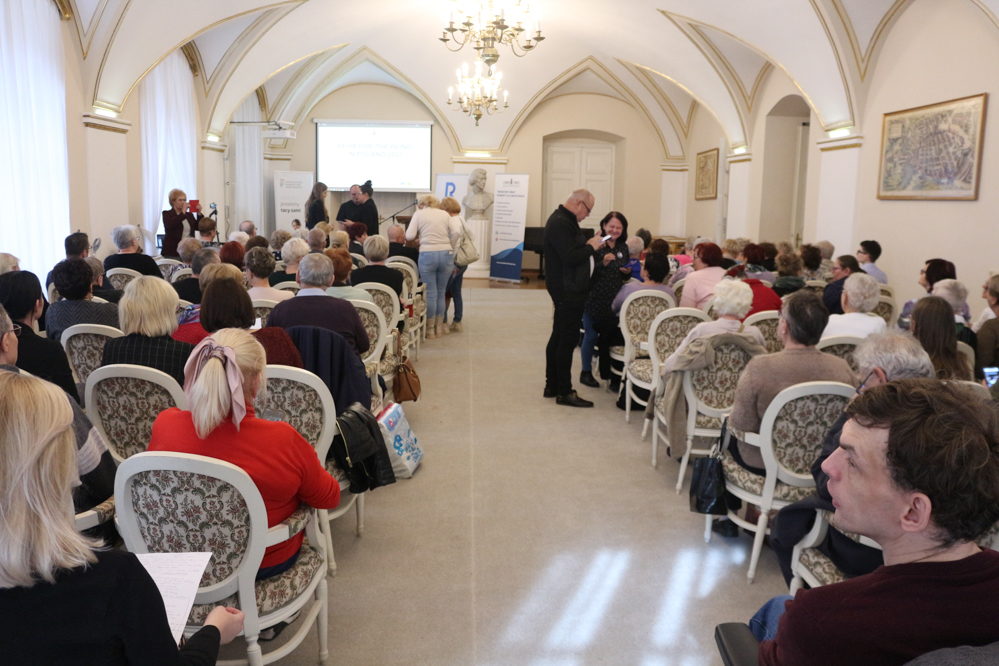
404	451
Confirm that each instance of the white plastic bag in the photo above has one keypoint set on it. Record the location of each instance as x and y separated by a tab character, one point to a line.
400	441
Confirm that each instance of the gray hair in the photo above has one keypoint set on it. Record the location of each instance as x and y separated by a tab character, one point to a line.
7	262
826	249
96	267
863	292
240	237
300	233
124	235
900	355
206	256
702	240
952	291
294	250
582	194
6	325
317	239
315	270
248	227
376	248
733	297
635	246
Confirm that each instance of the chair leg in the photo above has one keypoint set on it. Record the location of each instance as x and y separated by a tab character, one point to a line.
627	400
645	429
359	508
683	464
323	621
796	583
655	447
761	531
327	528
254	654
708	522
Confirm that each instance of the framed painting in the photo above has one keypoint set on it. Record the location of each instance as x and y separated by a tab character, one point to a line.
706	176
933	152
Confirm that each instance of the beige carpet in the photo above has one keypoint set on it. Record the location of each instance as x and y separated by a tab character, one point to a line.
533	534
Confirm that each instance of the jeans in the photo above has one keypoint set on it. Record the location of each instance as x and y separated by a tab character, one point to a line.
589	342
599	334
435	269
764	623
562	346
454	286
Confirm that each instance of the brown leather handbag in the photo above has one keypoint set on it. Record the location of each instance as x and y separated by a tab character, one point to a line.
407	382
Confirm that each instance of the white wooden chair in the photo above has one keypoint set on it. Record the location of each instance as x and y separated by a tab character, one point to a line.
962	348
638	312
166	267
399	259
362	261
842	346
668	330
307	405
817	286
380	359
678	289
767	321
885	308
97	299
420	294
262	309
154	493
413	322
887	290
810	565
289	285
790	439
180	274
84	346
386	299
124	400
120	277
99	515
280	265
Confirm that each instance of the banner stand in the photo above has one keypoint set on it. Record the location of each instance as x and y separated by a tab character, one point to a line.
509	222
291	191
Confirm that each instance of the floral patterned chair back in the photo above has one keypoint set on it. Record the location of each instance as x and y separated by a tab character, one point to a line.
767	322
714	386
168	267
842	346
668	330
385	298
638	312
262	309
120	277
182	503
885	308
376	328
818	286
288	285
409	284
303	401
84	346
123	401
678	289
800	425
180	274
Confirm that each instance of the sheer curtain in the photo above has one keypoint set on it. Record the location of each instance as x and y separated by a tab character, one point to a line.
167	118
247	146
34	162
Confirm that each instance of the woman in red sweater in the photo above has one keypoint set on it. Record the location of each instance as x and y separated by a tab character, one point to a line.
223	375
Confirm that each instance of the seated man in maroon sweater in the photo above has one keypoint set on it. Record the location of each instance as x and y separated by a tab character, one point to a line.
917	471
313	307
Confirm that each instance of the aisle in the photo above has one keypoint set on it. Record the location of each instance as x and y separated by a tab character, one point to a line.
533	534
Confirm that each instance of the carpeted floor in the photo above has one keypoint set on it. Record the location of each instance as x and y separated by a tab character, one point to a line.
533	534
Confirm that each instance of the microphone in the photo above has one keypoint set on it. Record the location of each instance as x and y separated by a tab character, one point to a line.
215	210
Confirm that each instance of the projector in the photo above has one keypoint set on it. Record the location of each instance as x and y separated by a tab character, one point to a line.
278	134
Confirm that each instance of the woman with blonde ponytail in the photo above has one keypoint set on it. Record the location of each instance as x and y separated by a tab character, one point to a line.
62	600
222	378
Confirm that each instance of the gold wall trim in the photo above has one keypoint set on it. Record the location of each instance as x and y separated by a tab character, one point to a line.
262	100
65	9
461	159
214	147
740	160
748	96
826	149
190	51
278	157
839	63
86	33
663	100
988	12
315	61
861	55
106	128
244	38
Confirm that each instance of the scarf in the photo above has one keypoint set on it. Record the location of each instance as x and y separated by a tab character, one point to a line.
206	350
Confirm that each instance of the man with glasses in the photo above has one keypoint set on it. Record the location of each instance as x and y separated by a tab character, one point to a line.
77	247
882	357
867	255
570	264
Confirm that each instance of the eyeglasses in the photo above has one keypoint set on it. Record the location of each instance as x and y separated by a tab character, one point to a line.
16	330
588	209
863	384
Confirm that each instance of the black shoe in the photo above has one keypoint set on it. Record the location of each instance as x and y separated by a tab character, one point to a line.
615	385
572	400
550	393
725	528
587	379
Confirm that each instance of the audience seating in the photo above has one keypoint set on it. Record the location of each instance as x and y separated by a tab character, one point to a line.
885	309
166	265
262	309
289	285
812	566
767	322
124	400
678	289
381	358
710	394
637	314
156	492
84	345
362	261
120	277
399	259
887	291
97	299
790	439
307	405
667	331
816	285
280	265
99	515
386	299
413	322
181	273
842	346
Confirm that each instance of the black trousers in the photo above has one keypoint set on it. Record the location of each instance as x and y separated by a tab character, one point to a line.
562	346
608	335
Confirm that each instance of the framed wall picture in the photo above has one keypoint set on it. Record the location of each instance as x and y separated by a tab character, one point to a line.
933	152
706	176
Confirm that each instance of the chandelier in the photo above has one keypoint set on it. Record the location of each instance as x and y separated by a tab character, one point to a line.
489	23
477	94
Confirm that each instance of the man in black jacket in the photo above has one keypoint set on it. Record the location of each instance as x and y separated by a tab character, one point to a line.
569	257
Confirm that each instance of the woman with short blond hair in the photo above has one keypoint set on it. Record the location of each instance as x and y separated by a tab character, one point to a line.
147	313
439	234
173	222
64	601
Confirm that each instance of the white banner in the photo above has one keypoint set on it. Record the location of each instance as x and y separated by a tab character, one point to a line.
509	220
291	191
452	185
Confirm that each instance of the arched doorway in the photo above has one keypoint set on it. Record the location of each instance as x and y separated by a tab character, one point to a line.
785	171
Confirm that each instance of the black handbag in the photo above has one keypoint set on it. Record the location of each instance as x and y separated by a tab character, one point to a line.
359	450
707	487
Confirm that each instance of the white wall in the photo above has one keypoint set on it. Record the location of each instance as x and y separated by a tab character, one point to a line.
705	133
939	50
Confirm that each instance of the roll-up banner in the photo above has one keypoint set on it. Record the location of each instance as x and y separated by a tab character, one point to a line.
509	221
291	191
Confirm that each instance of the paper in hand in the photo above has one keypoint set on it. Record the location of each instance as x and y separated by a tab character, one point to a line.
177	576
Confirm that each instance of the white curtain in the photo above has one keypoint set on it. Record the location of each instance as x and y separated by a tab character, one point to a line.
167	117
247	146
34	163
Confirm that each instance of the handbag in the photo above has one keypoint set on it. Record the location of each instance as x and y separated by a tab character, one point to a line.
359	450
707	485
407	382
466	253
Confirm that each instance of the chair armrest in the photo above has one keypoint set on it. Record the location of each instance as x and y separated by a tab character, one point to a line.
751	438
290	526
737	645
100	514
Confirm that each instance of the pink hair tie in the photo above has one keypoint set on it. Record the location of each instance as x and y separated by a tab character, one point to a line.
206	350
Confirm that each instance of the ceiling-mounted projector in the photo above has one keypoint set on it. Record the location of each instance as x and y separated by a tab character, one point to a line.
276	129
278	134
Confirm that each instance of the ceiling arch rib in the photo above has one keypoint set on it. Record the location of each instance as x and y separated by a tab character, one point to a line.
676	103
742	66
865	23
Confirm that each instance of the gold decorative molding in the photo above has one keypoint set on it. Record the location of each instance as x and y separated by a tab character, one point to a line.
988	12
662	98
842	73
190	51
739	159
842	143
117	130
214	146
674	167
106	124
278	157
262	100
65	9
86	33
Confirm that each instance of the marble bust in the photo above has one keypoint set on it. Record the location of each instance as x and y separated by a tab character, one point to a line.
477	200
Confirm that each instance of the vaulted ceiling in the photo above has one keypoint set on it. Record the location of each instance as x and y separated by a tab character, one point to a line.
669	59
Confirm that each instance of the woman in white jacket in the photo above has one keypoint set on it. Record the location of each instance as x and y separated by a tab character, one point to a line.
439	234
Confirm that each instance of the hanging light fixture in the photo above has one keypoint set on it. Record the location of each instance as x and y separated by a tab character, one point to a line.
490	23
477	94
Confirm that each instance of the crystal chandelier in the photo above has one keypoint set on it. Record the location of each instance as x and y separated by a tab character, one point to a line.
489	23
478	93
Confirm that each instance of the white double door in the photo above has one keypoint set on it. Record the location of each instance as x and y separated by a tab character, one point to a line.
572	164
